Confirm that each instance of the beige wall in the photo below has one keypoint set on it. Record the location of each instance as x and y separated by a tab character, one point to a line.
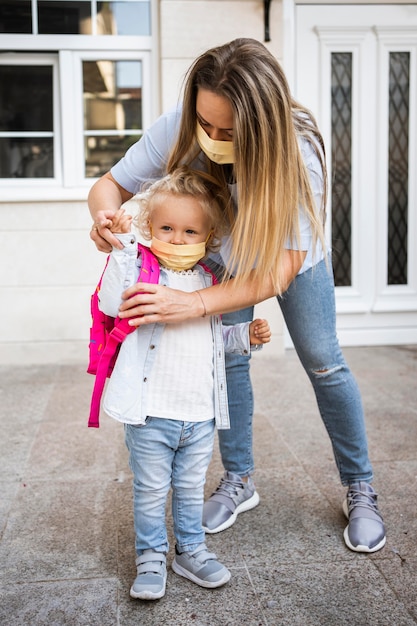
48	266
188	27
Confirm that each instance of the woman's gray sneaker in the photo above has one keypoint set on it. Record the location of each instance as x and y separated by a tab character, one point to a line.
232	496
151	580
365	531
202	567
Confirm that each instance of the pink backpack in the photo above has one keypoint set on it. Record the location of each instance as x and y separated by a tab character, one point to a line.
107	334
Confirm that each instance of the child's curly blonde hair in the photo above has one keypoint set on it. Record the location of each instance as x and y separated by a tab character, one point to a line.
186	182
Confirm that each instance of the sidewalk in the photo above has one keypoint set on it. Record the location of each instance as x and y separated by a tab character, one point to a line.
66	529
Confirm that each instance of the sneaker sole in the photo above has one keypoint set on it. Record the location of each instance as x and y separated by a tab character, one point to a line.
358	548
247	505
147	595
181	571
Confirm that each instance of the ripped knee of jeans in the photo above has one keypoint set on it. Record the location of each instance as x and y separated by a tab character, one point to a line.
327	371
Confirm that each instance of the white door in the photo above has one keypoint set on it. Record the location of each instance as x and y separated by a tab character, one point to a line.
356	69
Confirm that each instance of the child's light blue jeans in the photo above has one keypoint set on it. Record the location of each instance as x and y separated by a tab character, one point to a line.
308	307
167	453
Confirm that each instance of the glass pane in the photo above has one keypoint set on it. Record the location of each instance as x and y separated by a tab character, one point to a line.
112	111
341	174
101	153
26	98
26	115
123	18
399	106
72	17
26	158
15	16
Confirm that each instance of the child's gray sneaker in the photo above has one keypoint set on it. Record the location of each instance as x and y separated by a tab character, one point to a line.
232	496
151	580
365	531
202	567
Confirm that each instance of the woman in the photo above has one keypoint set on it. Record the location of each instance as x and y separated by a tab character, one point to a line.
239	122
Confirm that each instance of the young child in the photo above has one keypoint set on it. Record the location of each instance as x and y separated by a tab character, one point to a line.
169	383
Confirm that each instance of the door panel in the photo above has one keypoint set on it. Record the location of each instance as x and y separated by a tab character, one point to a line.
356	69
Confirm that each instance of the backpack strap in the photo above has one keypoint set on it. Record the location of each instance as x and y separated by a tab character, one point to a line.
210	271
149	273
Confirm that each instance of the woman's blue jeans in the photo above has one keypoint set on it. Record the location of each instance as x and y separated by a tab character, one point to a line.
165	453
308	307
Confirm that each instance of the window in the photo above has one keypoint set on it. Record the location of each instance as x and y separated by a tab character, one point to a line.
341	171
75	17
68	113
27	119
398	166
112	111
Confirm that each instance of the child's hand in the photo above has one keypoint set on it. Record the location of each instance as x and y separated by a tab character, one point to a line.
121	222
259	332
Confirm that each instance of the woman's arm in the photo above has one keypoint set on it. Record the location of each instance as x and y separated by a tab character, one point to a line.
162	304
105	198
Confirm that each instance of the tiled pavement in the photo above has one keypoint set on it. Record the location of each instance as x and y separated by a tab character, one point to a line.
66	530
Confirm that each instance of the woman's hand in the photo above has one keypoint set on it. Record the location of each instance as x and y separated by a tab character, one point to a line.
101	232
104	200
148	304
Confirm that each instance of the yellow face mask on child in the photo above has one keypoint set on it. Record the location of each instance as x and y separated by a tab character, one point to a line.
178	257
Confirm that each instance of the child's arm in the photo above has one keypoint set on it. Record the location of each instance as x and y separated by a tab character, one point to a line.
122	270
259	332
245	337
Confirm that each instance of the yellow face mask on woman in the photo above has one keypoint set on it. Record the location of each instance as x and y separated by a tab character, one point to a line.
220	152
178	257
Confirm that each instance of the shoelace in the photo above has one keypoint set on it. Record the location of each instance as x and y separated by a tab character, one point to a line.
364	499
229	487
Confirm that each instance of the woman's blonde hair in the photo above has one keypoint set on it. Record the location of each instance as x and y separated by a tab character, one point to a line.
272	180
184	181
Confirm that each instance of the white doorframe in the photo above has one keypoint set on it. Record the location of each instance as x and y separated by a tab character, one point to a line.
370	312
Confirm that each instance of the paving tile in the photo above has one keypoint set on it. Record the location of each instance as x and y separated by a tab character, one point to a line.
60	603
234	604
353	594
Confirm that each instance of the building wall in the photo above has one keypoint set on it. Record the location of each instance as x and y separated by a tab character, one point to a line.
189	27
48	265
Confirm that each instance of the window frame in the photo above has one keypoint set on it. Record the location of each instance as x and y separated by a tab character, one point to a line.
68	52
51	60
75	140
